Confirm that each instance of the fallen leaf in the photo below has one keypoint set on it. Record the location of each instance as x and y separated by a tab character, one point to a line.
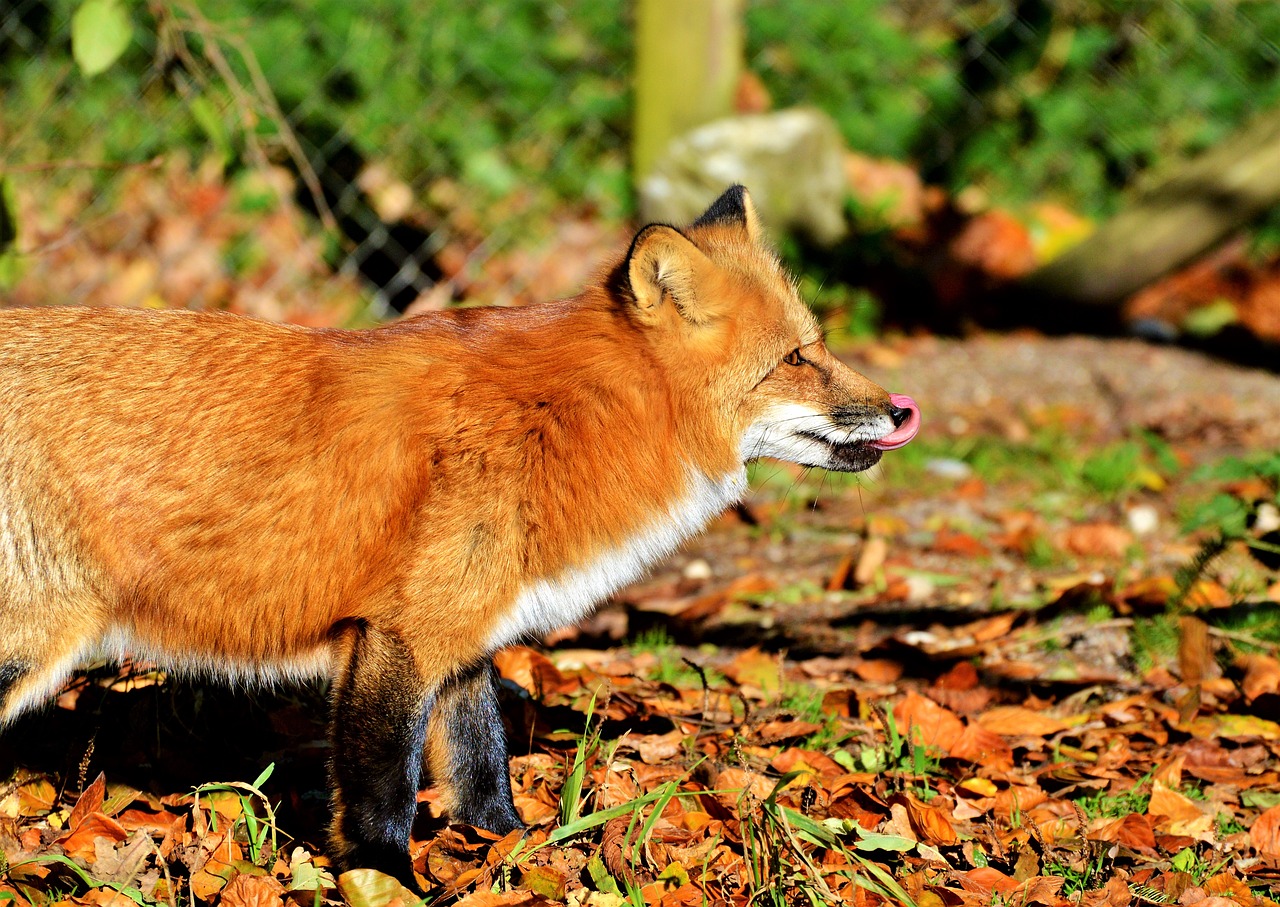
757	669
984	747
546	881
1133	831
931	824
532	671
923	722
81	842
1019	721
1265	832
1097	540
370	888
870	560
253	891
90	801
776	731
1261	676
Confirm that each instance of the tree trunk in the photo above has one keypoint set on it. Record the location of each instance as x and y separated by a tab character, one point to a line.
688	61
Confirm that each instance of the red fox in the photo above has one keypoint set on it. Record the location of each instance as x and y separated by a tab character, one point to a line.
235	498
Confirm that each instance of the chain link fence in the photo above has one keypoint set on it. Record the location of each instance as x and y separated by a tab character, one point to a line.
331	162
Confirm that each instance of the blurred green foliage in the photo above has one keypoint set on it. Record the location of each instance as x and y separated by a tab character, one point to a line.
1069	100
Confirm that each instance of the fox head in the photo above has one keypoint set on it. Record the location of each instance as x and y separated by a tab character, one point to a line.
727	322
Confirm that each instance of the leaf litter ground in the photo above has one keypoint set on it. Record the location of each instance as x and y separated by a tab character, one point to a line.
959	680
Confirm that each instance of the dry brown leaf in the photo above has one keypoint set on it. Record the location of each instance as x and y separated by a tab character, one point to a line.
988	881
931	824
90	801
925	723
984	747
492	899
1097	540
1265	832
1133	831
948	541
1196	663
1171	806
870	560
656	749
735	780
1231	887
533	671
82	842
1261	676
1020	721
252	891
104	897
756	669
776	731
879	670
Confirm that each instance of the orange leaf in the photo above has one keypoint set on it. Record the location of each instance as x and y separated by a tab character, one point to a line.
1265	833
878	670
1261	675
756	668
88	802
1097	540
983	747
252	891
1133	831
931	824
81	842
923	722
1019	721
533	671
1171	806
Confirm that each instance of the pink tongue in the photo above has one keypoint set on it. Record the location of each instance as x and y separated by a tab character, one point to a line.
900	436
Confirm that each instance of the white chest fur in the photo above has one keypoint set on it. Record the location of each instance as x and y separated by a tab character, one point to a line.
570	596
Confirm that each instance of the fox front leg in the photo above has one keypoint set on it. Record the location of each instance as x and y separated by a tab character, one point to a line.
380	714
468	751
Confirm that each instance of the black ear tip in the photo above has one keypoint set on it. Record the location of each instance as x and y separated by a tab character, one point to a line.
730	207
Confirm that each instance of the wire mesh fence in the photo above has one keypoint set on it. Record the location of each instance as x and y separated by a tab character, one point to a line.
288	158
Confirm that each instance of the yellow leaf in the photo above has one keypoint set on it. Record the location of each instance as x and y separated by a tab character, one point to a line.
980	786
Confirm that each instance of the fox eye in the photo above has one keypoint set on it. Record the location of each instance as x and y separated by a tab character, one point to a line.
794	357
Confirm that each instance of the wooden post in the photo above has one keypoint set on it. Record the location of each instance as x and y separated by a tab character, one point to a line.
688	61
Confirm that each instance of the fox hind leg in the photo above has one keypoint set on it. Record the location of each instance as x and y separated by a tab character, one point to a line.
380	709
468	751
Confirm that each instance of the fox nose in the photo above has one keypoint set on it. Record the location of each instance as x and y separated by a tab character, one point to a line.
899	415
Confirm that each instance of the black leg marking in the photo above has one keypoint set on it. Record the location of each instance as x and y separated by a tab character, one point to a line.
10	673
469	751
380	709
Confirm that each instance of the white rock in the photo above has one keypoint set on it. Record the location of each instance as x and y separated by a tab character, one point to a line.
697	570
947	468
1267	519
1143	519
791	161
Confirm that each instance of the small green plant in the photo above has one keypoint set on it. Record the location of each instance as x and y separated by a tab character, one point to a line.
572	799
1089	870
1154	640
901	756
248	827
673	667
1226	824
1118	805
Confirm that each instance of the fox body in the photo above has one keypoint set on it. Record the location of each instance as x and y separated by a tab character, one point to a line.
231	497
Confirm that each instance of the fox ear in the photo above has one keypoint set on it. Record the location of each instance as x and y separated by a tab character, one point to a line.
733	208
664	268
